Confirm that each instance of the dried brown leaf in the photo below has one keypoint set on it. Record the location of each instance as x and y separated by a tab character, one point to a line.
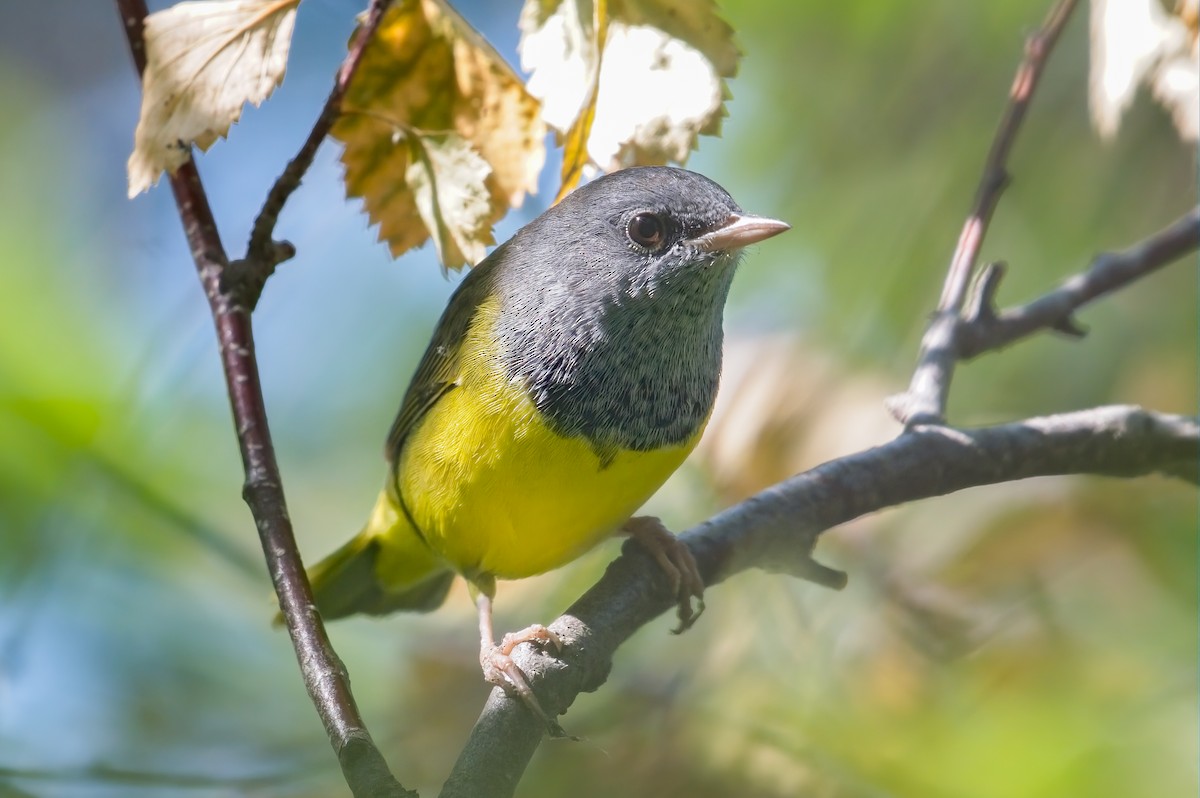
428	78
575	140
204	61
447	179
1137	42
642	78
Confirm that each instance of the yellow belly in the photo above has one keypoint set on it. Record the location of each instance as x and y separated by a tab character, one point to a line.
495	491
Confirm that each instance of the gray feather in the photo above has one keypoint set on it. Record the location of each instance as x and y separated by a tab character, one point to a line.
617	344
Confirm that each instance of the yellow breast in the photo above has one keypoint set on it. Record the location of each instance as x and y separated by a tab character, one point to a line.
495	491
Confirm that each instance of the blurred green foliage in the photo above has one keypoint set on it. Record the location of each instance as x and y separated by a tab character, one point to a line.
1035	639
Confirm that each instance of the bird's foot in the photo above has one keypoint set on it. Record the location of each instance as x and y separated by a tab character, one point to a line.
676	560
500	669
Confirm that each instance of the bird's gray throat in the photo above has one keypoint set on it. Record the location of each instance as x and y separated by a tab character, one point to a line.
638	370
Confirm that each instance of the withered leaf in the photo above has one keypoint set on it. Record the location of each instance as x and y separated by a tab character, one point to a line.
204	61
638	79
447	178
1135	42
429	79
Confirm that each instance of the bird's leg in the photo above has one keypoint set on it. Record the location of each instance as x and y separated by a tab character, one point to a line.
498	666
676	559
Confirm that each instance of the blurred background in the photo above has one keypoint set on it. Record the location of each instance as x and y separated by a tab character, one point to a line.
1032	639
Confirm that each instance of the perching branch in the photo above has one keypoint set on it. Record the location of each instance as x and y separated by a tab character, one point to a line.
925	400
776	530
324	675
263	253
983	328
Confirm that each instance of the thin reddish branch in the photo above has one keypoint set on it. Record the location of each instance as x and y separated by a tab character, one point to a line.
995	171
984	329
925	400
262	253
324	675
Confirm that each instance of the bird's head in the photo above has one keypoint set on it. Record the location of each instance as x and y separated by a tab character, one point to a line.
647	227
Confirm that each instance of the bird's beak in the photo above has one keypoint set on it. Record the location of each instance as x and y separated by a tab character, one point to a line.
739	230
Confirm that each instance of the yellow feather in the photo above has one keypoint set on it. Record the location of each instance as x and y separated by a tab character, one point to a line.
495	491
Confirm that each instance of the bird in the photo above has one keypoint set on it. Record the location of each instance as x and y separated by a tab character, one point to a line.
571	373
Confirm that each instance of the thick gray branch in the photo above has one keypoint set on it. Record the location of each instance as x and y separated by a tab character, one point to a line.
776	530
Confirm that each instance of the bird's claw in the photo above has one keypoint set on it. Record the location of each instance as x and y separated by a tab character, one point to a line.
676	561
500	669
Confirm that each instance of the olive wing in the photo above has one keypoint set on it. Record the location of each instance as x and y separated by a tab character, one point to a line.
438	371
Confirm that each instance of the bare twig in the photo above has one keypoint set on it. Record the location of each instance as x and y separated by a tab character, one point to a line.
925	400
984	329
263	253
324	675
776	529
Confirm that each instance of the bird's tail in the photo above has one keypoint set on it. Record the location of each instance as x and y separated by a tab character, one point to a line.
385	568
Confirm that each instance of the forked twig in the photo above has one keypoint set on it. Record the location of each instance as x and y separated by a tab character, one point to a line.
984	328
264	253
925	400
324	675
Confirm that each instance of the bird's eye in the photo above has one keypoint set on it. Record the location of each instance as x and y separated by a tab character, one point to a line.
647	230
